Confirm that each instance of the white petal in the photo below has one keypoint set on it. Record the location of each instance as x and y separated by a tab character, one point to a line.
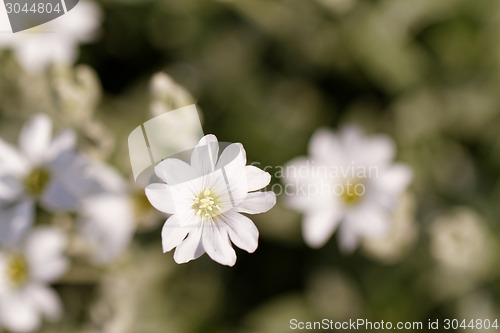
15	221
350	136
348	239
308	186
366	221
10	159
174	171
159	195
216	243
107	223
377	150
44	251
391	183
304	172
325	146
59	197
80	24
107	178
257	202
64	141
233	154
18	313
298	170
5	284
232	165
191	248
70	182
46	301
369	220
10	188
35	138
204	156
242	231
318	226
364	150
256	178
172	233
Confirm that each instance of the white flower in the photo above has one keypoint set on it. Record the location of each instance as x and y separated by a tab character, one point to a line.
44	170
57	40
459	241
106	219
392	247
167	94
107	223
24	277
206	198
349	182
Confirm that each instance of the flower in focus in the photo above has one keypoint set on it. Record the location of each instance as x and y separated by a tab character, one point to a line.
44	170
57	40
349	182
25	273
206	198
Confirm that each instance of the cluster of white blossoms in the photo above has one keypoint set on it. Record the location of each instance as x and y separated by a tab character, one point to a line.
349	181
26	270
48	174
206	198
56	41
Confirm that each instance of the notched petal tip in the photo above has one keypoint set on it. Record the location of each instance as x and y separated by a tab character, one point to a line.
256	178
229	264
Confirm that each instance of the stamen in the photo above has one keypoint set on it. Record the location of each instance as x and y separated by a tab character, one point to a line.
353	192
206	204
17	270
36	181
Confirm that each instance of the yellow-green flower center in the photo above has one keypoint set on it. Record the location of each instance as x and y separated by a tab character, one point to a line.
353	192
17	270
206	204
36	181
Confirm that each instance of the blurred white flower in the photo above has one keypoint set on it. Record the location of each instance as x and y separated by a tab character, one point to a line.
107	223
25	273
57	40
106	218
391	248
167	94
348	180
206	198
44	170
459	241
